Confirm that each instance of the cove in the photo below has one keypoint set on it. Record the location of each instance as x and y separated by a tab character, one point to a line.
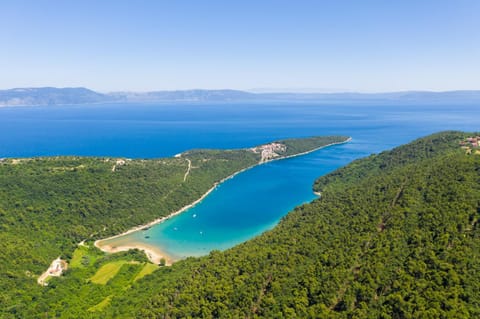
239	208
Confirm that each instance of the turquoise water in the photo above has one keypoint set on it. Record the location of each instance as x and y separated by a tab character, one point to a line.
244	206
253	201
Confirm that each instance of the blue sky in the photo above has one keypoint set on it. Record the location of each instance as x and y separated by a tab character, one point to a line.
356	45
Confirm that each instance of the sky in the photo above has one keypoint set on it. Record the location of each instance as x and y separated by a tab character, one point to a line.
318	45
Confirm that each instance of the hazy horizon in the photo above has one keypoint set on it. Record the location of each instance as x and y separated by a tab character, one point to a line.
254	90
352	46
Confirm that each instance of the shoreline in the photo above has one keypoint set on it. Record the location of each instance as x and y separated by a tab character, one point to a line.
155	254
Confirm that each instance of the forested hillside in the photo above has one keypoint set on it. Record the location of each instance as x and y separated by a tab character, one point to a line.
49	205
394	235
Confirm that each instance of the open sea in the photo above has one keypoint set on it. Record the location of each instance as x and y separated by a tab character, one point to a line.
251	202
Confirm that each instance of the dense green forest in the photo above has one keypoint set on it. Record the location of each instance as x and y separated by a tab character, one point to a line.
49	205
394	235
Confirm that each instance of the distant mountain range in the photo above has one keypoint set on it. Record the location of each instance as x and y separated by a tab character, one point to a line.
50	96
183	95
66	96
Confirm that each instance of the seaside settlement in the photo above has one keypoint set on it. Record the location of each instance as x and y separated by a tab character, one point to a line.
269	151
471	145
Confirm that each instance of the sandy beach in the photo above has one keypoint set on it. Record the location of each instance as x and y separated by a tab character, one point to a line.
153	253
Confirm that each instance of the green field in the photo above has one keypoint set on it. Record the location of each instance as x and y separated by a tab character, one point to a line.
107	272
101	305
146	270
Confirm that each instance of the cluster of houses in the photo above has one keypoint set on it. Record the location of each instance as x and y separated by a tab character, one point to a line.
118	162
269	151
471	145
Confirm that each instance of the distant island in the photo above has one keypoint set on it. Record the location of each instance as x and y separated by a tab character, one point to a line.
70	96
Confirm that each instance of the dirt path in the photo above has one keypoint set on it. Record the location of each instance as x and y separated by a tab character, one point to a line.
188	169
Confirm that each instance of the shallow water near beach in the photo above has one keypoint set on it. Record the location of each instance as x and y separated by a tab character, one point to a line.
249	203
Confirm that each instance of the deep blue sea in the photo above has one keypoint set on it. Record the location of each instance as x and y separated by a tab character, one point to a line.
253	201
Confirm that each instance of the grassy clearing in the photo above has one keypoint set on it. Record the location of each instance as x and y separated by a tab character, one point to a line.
81	253
84	256
146	270
107	272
